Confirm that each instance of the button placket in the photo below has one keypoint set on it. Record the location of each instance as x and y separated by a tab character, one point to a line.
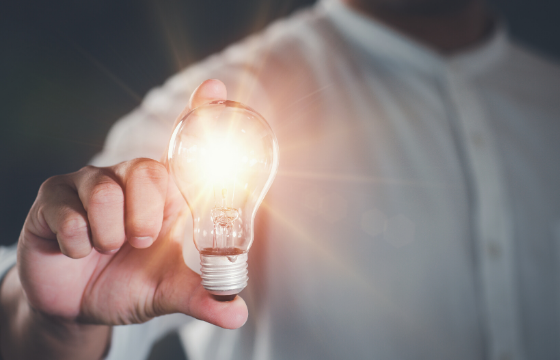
493	229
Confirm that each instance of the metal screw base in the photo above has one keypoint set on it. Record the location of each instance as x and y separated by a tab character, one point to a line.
224	276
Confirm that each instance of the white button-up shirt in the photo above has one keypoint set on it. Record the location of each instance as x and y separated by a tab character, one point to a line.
416	212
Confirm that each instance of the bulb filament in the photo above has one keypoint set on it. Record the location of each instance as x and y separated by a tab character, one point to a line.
223	218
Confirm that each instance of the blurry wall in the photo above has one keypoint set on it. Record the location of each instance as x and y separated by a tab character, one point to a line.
70	69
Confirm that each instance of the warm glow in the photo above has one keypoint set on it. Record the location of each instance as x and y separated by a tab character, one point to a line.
221	160
222	164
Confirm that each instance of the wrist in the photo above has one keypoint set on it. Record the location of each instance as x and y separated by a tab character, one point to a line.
32	334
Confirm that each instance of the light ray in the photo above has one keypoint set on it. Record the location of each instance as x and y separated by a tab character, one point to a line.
311	94
322	249
354	178
329	255
169	38
57	138
103	69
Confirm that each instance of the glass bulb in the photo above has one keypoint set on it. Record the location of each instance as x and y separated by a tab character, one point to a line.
223	157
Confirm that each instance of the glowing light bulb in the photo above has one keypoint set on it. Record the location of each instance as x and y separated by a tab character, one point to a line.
223	157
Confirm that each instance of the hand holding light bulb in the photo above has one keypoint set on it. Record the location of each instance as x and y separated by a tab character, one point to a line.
223	157
103	246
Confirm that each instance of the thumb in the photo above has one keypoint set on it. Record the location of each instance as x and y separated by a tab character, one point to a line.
182	292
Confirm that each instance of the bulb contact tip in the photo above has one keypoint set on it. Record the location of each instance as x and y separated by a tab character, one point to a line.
224	298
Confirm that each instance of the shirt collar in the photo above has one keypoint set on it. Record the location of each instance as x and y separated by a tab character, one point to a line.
383	42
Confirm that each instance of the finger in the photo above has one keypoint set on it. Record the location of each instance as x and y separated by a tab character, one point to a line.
209	90
145	183
181	291
102	197
226	314
61	210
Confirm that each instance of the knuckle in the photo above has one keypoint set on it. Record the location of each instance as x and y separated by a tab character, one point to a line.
106	192
51	184
73	228
149	171
88	169
88	172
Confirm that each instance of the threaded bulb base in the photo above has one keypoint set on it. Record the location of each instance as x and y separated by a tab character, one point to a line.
224	276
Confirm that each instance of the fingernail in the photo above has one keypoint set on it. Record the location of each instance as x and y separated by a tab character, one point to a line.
141	241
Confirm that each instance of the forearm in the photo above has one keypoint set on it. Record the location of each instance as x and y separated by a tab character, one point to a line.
28	334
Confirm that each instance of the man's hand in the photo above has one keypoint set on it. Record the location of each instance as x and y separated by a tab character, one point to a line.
104	246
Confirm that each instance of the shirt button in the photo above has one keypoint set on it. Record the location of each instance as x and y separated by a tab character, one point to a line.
494	249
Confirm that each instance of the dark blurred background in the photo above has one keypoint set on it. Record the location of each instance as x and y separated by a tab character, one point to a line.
70	69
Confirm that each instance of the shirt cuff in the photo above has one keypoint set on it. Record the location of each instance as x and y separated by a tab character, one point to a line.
8	256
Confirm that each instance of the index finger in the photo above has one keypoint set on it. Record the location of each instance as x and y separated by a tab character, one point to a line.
209	90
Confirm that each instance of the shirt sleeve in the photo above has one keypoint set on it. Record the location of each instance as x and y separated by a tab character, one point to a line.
8	257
